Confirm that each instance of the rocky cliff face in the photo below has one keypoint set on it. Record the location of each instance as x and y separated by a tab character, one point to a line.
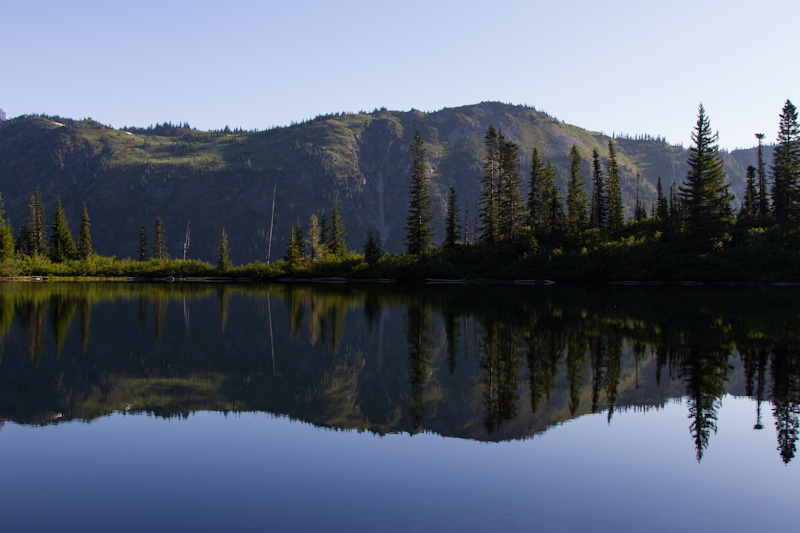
218	179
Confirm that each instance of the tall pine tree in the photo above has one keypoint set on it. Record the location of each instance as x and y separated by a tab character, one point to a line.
336	244
488	208
705	192
453	224
535	190
6	236
616	216
510	199
160	244
750	201
599	197
36	232
84	237
762	203
577	199
62	245
224	261
143	246
419	233
786	166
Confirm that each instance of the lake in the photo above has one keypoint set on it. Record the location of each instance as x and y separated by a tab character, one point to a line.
201	407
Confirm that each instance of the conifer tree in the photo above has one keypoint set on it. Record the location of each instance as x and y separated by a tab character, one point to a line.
224	262
535	190
324	232
675	207
62	245
750	201
509	197
552	215
299	240
662	206
160	244
336	243
372	247
762	200
419	234
786	166
466	222
314	239
639	211
293	254
705	193
6	236
616	216
489	185
36	232
453	224
84	237
577	199
599	212
143	246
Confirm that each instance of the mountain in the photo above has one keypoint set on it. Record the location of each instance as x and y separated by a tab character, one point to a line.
211	180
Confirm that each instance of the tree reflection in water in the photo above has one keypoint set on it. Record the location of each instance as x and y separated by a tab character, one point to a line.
484	362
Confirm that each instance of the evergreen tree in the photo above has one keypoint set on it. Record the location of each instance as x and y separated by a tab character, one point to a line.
488	207
298	238
372	247
786	166
466	222
293	254
535	190
143	255
762	202
62	245
453	224
599	196
84	237
639	211
616	216
509	199
419	234
324	233
705	191
6	235
661	210
676	214
159	245
36	230
314	239
6	241
577	199
336	243
224	262
750	201
553	216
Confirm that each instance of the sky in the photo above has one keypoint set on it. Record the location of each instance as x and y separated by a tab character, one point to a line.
628	67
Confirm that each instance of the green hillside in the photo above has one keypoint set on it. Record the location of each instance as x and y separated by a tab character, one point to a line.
225	179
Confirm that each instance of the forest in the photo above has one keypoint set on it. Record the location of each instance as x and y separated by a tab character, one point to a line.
522	228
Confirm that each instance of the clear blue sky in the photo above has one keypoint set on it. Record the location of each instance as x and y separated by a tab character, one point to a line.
624	66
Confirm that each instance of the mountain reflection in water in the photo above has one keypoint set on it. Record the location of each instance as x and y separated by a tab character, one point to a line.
488	363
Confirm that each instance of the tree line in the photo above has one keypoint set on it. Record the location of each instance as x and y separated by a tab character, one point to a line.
526	215
700	207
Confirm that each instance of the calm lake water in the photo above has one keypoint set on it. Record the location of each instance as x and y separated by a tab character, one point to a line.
386	408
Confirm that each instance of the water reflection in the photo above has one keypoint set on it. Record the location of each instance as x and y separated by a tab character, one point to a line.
486	362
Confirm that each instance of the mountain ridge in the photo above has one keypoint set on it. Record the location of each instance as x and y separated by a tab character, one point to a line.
218	179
